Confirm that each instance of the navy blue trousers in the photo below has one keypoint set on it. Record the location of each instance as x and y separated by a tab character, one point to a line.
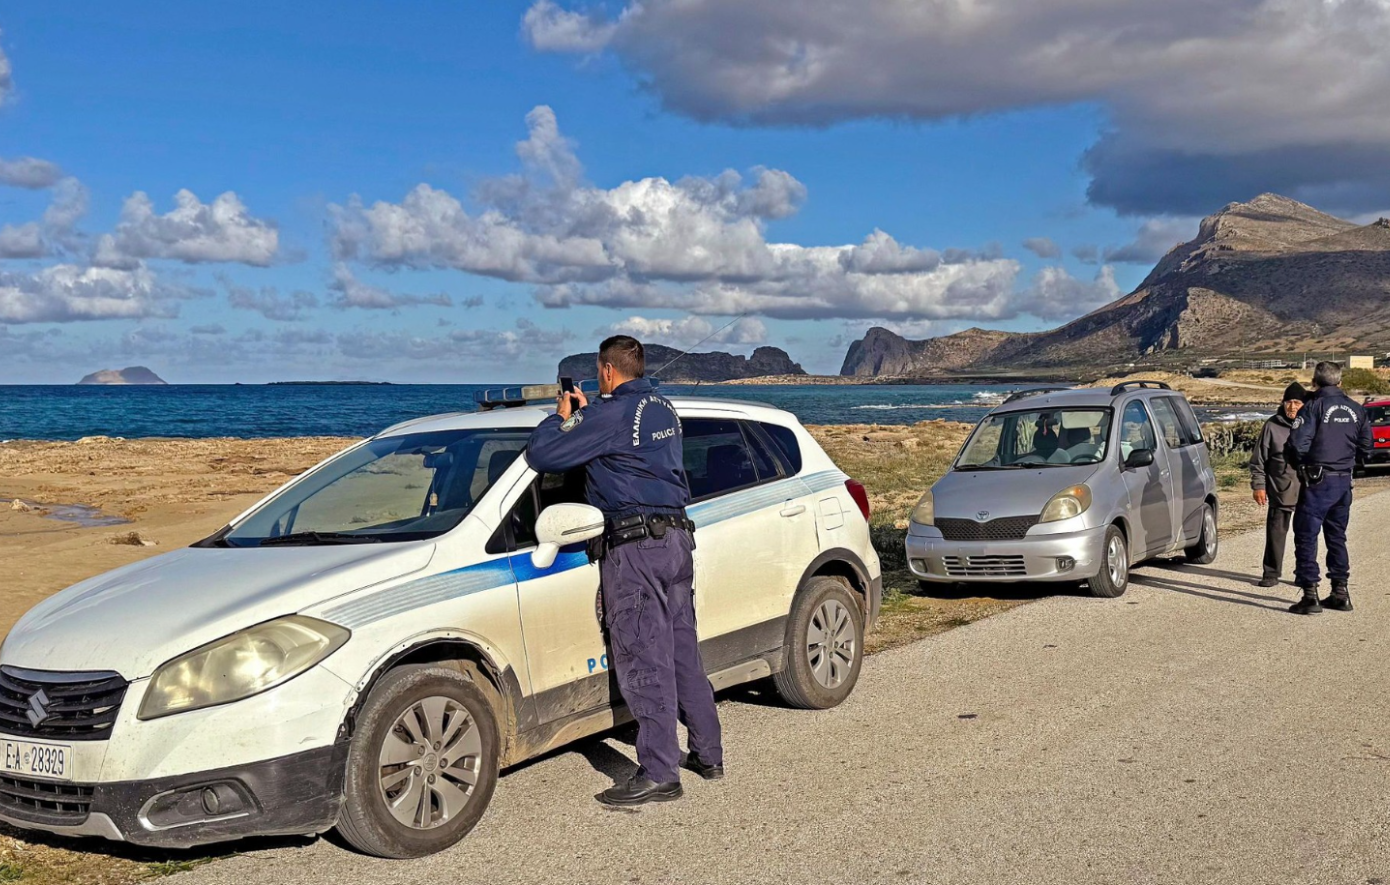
649	607
1323	509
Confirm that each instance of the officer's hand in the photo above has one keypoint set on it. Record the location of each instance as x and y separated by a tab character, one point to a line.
580	400
1261	497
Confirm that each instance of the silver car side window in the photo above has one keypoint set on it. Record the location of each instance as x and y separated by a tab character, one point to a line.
1136	430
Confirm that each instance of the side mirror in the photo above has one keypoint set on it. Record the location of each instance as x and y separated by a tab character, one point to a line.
561	525
1139	458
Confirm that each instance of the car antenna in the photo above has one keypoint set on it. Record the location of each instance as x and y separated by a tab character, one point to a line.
687	351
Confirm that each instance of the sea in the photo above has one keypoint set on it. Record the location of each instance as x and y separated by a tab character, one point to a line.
68	412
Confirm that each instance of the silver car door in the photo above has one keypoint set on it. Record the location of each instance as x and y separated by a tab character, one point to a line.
1150	487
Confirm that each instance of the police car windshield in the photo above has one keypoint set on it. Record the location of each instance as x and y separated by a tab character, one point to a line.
401	488
1378	415
1038	438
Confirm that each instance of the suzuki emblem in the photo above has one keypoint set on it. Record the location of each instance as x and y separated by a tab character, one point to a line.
38	708
982	515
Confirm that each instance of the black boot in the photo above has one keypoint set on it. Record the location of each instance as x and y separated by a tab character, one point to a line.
1308	605
1340	600
640	790
1268	581
699	766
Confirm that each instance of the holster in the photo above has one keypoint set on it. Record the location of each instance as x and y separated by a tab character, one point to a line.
1311	475
639	528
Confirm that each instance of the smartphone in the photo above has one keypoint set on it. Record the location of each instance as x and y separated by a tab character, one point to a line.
566	384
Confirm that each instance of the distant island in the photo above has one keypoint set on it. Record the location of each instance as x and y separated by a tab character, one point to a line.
667	364
322	383
129	375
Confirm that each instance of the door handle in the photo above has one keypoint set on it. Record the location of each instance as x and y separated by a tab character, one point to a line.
793	509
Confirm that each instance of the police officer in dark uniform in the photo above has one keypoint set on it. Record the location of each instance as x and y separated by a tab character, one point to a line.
630	444
1331	432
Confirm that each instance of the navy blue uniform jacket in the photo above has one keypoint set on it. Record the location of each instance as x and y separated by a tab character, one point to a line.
631	445
1331	431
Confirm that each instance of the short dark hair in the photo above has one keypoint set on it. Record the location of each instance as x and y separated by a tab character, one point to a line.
624	353
1327	374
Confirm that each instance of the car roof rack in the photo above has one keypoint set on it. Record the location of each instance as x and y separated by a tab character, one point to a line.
1032	391
1144	384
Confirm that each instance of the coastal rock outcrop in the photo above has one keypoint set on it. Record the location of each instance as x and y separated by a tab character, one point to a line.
128	375
667	364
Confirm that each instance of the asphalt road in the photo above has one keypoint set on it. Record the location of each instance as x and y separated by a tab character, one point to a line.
1191	731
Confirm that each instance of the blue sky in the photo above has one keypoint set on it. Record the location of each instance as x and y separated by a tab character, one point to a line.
296	108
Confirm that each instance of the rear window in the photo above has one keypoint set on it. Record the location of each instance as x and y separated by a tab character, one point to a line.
1168	426
1187	420
717	458
784	440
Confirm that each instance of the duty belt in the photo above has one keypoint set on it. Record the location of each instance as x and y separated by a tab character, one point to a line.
642	526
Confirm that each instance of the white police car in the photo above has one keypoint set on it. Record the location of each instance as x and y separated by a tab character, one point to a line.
367	646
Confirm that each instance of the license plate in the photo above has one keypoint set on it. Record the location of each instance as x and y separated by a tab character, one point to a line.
51	761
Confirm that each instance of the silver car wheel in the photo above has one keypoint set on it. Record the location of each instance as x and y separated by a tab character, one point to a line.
1208	532
831	643
429	762
1117	561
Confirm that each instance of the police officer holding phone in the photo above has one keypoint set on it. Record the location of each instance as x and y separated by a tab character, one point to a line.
630	444
1329	435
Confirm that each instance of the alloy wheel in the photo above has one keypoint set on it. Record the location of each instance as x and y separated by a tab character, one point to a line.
429	763
1117	561
831	644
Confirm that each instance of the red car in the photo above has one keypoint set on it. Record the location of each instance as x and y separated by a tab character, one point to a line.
1378	410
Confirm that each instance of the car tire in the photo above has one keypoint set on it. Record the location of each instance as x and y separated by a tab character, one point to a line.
1113	578
413	717
824	648
1205	550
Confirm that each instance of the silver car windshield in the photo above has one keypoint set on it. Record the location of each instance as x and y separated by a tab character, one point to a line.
400	488
1040	438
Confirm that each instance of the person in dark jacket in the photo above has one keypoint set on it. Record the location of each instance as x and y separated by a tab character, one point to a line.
1329	436
1275	482
630	444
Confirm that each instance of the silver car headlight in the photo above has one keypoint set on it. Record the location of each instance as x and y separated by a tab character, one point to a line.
925	511
1067	503
241	665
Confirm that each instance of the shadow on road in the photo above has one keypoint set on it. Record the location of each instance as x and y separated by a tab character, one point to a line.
1216	594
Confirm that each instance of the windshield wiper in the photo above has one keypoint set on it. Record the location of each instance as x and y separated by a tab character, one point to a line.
309	538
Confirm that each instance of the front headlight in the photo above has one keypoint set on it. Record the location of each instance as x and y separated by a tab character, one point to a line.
1067	503
925	511
241	665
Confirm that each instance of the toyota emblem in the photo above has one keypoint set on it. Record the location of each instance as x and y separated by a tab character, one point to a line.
982	515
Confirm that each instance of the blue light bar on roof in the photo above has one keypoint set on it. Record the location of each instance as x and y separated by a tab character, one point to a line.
513	397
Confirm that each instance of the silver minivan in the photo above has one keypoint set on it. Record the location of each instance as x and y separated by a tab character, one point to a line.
1061	484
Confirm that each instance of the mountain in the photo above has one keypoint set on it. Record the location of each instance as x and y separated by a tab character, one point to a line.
882	352
1271	276
694	366
130	375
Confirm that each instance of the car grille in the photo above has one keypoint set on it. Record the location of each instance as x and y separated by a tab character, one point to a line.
1008	528
79	706
45	802
985	566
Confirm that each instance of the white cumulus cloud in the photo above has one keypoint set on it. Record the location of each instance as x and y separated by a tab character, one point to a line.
690	331
697	244
193	232
29	172
1057	295
550	27
68	292
352	292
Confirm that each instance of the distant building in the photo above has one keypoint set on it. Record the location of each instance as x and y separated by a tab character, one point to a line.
1361	362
